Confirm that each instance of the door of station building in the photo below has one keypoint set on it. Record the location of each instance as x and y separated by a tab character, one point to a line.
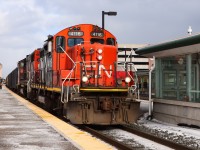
172	78
174	84
195	83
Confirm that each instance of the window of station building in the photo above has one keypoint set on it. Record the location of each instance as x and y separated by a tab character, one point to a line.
110	41
96	40
169	78
60	42
74	41
194	74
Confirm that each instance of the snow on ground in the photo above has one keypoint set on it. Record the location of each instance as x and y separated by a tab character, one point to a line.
134	141
184	135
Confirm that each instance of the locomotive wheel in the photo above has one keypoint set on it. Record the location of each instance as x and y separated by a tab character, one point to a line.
49	104
57	107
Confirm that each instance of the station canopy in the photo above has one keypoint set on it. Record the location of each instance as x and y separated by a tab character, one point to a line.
186	45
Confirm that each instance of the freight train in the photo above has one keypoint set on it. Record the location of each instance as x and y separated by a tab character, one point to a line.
1	82
76	74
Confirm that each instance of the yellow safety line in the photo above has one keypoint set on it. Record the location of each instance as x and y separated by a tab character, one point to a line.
79	138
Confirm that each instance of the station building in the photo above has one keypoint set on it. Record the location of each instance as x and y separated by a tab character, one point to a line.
176	80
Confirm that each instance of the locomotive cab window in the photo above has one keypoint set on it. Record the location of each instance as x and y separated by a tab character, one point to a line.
60	42
45	46
32	57
21	64
110	41
96	40
74	41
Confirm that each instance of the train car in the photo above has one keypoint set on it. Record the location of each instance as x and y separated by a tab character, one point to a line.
22	77
78	77
12	80
32	69
1	82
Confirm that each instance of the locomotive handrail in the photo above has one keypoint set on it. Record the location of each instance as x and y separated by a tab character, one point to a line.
83	64
123	65
67	55
69	74
135	69
28	82
132	76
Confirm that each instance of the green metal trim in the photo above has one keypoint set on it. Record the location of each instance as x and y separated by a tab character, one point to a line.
191	40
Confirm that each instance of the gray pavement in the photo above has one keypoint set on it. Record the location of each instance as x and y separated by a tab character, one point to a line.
21	129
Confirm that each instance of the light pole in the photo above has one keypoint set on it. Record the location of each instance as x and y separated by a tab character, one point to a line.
110	13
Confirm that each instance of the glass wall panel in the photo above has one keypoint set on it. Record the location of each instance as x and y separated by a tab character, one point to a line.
195	85
178	78
172	77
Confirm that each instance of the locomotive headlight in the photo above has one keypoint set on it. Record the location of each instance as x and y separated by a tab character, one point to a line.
84	79
127	79
99	51
99	57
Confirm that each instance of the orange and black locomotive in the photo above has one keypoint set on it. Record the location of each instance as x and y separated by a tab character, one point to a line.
76	74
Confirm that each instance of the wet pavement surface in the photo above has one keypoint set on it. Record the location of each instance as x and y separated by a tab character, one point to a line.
21	129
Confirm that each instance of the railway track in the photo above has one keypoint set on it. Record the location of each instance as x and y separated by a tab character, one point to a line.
99	133
156	139
105	138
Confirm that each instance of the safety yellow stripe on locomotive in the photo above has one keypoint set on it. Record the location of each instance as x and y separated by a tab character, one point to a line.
103	90
81	89
46	88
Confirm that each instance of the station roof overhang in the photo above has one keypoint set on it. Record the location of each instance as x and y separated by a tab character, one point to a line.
190	44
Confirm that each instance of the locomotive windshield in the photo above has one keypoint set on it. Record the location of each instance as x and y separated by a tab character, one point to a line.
95	40
60	42
74	41
110	41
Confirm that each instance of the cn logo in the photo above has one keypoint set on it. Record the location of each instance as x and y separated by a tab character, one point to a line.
102	67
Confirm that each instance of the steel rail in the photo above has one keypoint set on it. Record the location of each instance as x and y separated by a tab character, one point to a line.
107	139
155	138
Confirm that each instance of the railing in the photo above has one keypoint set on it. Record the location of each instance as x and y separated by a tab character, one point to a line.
131	71
67	77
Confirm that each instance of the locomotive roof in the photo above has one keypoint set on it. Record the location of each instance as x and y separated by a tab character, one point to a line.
83	25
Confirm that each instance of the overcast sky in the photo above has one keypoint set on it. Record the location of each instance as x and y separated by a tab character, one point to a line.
25	24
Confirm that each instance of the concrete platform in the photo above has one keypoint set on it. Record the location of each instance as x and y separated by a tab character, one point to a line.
25	126
176	112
